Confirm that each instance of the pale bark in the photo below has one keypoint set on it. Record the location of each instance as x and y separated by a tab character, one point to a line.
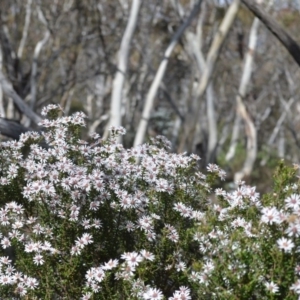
195	43
25	29
96	123
33	80
118	83
281	144
140	135
89	106
67	100
234	138
37	50
2	110
251	133
10	108
213	54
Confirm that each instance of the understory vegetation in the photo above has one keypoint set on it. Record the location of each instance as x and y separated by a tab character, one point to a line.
93	220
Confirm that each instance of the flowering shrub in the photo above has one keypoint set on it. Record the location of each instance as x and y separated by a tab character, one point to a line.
96	221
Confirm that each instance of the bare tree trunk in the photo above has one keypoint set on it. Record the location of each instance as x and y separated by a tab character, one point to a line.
140	135
25	29
10	92
234	138
213	54
287	41
2	110
281	144
241	109
10	108
12	128
37	50
195	43
118	83
33	80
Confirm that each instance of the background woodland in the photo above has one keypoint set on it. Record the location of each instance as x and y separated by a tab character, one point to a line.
208	75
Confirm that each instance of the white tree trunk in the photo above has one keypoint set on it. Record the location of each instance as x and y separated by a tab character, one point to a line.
241	109
195	43
33	80
25	29
2	110
118	83
140	135
213	54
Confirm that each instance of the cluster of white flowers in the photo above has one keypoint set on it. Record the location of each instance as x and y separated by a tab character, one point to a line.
78	200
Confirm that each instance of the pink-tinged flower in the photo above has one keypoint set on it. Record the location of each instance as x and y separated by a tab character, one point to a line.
297	269
5	242
99	274
153	294
285	244
4	220
97	223
181	266
76	250
296	287
272	287
31	247
130	226
86	296
182	294
132	258
38	259
128	271
293	229
145	223
89	275
270	215
110	264
21	290
292	201
151	236
32	283
87	238
208	267
172	233
5	279
183	209
5	260
212	168
147	255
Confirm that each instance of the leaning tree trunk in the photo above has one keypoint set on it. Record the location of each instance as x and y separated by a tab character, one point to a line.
287	41
19	102
213	54
140	135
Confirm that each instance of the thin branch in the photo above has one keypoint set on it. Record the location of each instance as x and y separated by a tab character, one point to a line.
277	30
